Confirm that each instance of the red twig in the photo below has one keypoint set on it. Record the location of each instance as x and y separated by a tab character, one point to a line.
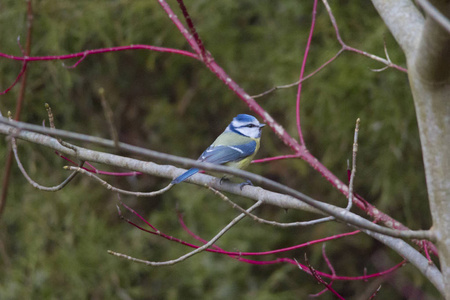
240	255
82	55
192	29
78	61
267	159
139	216
192	42
375	293
425	248
302	71
22	71
325	257
320	280
20	99
189	231
330	266
98	51
93	169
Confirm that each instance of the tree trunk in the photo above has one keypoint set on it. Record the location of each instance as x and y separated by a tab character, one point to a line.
427	48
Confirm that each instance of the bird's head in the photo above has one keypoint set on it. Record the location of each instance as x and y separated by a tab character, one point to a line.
246	125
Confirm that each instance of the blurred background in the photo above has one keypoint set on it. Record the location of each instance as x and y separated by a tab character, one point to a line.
54	245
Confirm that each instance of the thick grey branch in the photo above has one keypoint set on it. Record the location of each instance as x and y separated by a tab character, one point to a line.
20	130
256	193
432	56
435	14
429	76
403	20
402	248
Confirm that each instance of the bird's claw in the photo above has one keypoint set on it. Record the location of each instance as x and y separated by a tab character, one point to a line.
248	182
222	180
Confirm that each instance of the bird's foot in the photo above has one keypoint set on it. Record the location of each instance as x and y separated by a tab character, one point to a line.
224	178
248	182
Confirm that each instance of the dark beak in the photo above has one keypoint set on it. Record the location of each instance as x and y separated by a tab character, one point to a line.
261	126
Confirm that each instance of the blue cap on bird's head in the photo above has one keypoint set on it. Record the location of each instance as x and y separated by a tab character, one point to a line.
246	125
245	118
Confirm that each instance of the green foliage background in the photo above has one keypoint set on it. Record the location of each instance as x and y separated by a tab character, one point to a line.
53	245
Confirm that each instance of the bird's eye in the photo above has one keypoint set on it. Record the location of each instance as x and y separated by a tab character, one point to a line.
251	125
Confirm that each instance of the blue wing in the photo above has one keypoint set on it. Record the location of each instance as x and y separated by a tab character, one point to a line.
223	154
220	155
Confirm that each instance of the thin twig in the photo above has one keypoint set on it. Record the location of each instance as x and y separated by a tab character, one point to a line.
427	255
386	53
117	190
375	293
192	253
302	71
51	121
34	183
303	79
98	51
197	237
264	221
19	76
325	257
320	280
348	48
109	117
352	176
330	266
77	62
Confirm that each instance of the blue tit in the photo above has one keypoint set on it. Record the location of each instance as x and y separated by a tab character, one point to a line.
235	147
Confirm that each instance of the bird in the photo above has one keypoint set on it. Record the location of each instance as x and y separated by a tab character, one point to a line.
235	147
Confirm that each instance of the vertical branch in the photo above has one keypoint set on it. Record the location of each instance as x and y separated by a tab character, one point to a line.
302	71
352	175
429	77
20	99
23	84
109	116
192	29
180	26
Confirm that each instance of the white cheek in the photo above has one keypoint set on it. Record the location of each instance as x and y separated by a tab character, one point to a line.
243	131
250	132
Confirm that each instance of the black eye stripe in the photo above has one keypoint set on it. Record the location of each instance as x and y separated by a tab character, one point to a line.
247	125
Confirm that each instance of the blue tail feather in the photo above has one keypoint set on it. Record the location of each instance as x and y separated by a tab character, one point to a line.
185	175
